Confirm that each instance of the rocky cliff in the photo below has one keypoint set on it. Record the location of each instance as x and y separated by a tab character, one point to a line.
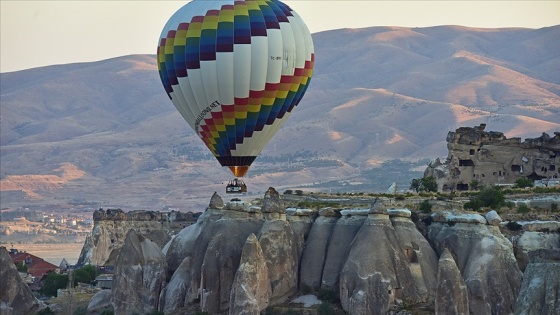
241	259
112	225
15	296
491	158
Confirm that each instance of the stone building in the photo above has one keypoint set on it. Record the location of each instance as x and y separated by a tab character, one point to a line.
489	158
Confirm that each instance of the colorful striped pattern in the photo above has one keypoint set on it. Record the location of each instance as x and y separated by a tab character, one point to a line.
235	70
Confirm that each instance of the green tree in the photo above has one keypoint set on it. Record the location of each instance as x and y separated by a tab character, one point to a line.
492	197
429	184
86	274
523	182
554	207
416	184
52	282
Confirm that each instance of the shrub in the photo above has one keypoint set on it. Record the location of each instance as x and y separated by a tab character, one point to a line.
523	208
554	207
425	206
523	182
22	267
474	204
288	192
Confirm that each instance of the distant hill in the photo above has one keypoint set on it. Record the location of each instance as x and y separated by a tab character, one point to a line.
104	133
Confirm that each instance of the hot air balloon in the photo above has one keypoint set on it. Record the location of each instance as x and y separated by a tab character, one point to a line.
235	71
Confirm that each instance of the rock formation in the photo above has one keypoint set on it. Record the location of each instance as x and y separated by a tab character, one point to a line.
112	225
100	301
540	290
484	257
491	158
240	259
376	276
140	275
204	257
451	294
250	293
15	296
536	236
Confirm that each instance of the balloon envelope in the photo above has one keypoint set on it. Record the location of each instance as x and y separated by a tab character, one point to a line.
235	70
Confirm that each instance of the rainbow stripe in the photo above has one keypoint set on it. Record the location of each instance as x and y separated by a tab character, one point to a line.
235	70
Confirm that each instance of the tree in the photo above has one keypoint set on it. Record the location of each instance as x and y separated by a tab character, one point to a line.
86	274
52	282
523	182
415	184
424	184
554	207
429	184
492	197
474	184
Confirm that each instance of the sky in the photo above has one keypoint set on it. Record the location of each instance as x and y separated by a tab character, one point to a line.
41	33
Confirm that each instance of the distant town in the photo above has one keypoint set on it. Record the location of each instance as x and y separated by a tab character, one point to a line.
31	226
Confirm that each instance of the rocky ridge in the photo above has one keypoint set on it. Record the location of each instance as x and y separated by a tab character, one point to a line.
240	259
491	158
112	225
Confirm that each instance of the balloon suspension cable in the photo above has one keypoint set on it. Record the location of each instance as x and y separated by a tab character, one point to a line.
239	171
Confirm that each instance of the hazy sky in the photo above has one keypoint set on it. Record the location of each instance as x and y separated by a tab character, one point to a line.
40	33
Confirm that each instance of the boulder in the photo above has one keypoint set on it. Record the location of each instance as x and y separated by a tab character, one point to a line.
216	202
15	296
451	293
100	301
272	202
140	274
493	218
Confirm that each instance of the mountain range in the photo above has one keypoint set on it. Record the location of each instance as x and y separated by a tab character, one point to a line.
379	106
